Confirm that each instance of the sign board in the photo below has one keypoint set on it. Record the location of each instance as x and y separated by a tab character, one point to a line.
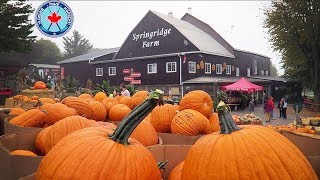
62	72
128	78
126	71
136	82
136	74
174	90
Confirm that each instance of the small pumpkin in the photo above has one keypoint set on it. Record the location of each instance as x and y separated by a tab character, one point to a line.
250	152
190	122
31	118
176	172
22	153
145	133
47	100
16	111
85	96
64	127
108	104
79	153
162	116
100	96
137	98
197	100
39	85
118	112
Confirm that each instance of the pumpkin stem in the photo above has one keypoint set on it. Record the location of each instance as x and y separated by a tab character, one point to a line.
227	124
132	120
162	164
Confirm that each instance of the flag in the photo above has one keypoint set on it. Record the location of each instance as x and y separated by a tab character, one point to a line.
184	58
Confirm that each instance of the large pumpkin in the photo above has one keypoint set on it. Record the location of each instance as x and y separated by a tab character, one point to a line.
252	152
176	172
197	100
56	112
82	107
146	134
137	98
190	122
39	85
16	111
64	127
41	140
162	116
100	96
118	112
214	122
99	110
97	153
21	152
31	118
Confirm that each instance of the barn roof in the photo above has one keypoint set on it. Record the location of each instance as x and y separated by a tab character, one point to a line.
202	40
89	56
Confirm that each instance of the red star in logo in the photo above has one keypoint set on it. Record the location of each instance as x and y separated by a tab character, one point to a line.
54	18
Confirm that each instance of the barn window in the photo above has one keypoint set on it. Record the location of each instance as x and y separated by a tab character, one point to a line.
248	71
207	68
267	73
112	71
99	71
152	68
192	67
262	72
228	71
255	70
237	71
171	67
219	68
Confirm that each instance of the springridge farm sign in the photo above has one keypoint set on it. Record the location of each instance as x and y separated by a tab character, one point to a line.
148	36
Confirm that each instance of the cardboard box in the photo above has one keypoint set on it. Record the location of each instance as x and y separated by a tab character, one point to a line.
10	128
15	167
173	153
177	139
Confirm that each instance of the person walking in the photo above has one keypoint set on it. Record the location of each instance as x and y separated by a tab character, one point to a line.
124	91
272	105
268	108
251	105
284	109
280	107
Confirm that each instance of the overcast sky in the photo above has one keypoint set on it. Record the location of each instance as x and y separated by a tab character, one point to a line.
107	23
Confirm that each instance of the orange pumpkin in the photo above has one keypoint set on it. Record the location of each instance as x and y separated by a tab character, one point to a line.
34	98
82	107
99	110
22	153
64	127
214	122
118	112
145	133
197	100
41	139
47	100
118	97
31	118
100	96
124	100
84	153
86	96
176	172
108	105
137	98
190	122
16	111
39	85
56	112
106	125
162	116
250	152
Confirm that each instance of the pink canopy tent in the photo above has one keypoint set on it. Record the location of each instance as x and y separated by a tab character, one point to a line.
243	85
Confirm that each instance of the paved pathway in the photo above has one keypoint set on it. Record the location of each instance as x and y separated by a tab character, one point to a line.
258	111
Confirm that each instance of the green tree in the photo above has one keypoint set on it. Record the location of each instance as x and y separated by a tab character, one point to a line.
294	28
273	70
15	26
76	45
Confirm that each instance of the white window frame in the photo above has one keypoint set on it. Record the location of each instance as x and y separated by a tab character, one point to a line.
205	68
219	67
99	71
115	71
267	73
152	65
237	71
175	67
262	72
248	72
255	70
228	69
194	66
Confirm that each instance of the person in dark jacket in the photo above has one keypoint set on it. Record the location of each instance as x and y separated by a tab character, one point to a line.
251	105
280	107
